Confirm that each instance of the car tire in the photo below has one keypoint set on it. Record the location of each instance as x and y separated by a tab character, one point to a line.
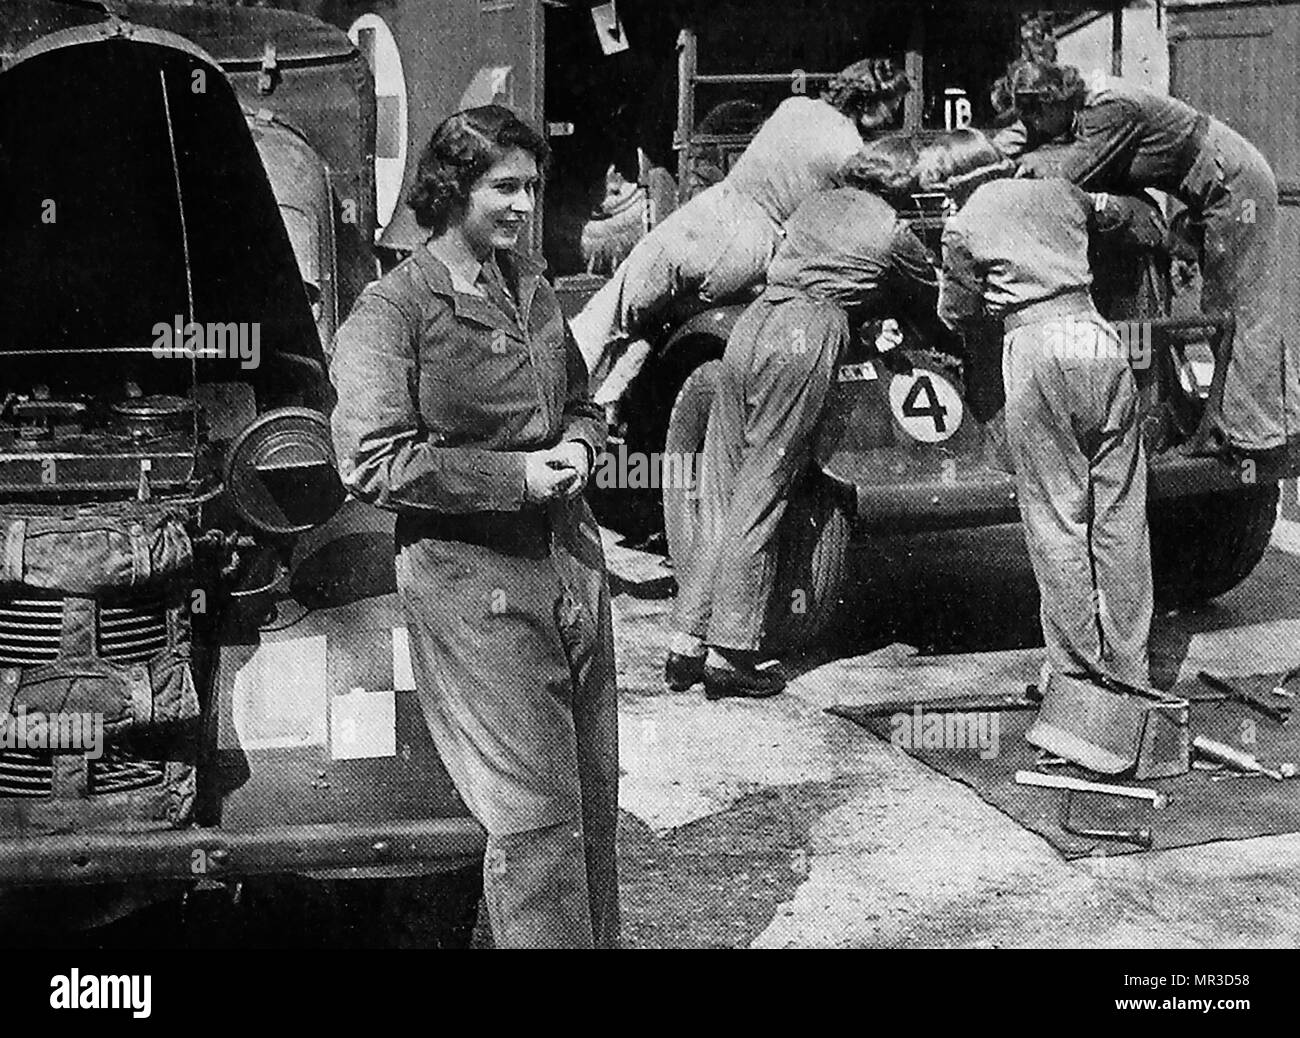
687	423
815	532
810	570
1204	546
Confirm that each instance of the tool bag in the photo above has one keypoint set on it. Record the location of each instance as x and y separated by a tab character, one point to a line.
88	553
138	556
90	557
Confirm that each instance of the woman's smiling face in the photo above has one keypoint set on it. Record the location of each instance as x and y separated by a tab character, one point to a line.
500	203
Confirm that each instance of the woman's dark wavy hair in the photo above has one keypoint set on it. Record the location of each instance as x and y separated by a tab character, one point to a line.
464	147
959	161
885	167
1045	79
870	81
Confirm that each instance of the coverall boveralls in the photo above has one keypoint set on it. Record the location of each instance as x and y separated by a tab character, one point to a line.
845	254
507	603
721	241
1018	249
1126	140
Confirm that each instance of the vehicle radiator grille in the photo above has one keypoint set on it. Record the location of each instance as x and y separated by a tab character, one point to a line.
30	630
128	631
120	772
134	631
25	773
30	773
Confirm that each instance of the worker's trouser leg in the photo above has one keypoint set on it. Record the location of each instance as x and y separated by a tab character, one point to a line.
771	391
717	245
1072	426
512	651
1235	192
535	886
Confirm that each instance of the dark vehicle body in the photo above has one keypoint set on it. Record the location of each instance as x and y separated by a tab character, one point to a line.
212	166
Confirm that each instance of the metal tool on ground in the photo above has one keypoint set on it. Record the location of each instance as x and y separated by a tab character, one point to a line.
1035	778
1141	836
1212	749
1230	774
953	705
1279	712
1280	689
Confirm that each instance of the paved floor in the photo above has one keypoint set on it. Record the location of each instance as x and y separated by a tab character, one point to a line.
773	824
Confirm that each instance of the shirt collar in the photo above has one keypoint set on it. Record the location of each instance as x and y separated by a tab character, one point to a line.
523	273
462	270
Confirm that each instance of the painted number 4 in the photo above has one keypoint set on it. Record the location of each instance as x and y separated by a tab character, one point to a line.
923	402
926	405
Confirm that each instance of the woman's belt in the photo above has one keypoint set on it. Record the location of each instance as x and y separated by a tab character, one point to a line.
526	532
1074	302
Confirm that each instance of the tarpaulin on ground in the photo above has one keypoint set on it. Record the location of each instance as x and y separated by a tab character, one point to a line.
1200	810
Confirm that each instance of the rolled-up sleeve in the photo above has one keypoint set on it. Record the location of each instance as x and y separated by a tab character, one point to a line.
961	282
386	455
1129	221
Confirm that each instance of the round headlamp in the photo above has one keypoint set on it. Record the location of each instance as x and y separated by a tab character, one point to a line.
281	475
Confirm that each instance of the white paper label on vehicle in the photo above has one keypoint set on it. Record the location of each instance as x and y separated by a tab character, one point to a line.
926	405
864	372
363	723
277	698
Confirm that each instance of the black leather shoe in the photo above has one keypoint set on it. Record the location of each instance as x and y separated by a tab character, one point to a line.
748	682
682	671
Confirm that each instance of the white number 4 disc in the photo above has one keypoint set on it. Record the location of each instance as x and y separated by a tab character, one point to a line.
926	405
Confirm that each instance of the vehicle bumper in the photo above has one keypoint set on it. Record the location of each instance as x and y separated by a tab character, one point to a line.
420	846
897	492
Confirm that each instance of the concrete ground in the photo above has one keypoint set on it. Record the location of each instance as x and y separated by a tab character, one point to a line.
772	824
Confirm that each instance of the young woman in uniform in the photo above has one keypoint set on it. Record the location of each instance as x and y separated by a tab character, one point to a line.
463	407
1123	139
1017	249
720	242
846	256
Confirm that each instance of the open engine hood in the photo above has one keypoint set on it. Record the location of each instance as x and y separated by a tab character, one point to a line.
131	193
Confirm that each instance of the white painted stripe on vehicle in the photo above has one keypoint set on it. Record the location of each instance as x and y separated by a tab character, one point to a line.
403	675
1286	536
